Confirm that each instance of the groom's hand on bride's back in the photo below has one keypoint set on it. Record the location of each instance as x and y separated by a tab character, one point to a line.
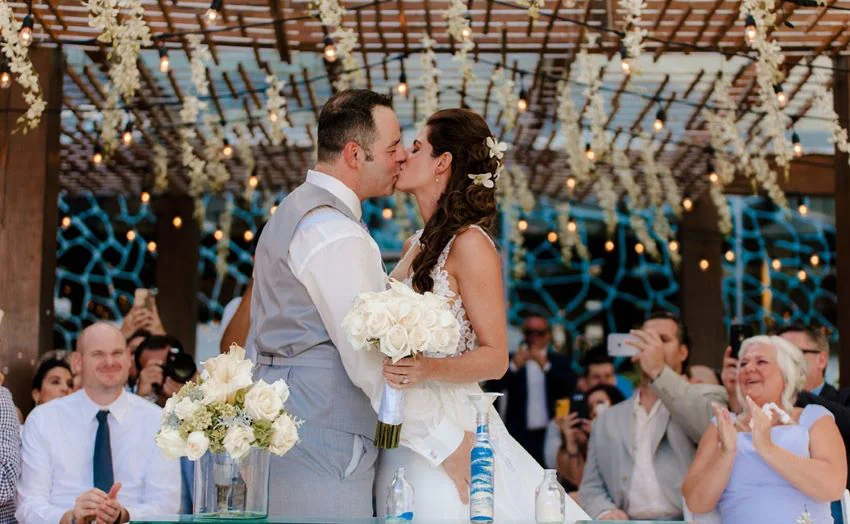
457	466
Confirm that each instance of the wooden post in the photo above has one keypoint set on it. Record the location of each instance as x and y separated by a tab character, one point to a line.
178	250
29	189
841	96
702	300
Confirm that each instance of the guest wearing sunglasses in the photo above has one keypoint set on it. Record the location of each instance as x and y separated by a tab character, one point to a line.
537	377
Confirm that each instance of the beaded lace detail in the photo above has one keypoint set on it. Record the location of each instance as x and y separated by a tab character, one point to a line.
468	340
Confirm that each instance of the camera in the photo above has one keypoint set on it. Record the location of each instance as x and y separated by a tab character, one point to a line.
177	365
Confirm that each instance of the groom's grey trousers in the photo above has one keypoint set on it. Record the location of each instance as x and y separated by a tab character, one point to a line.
329	473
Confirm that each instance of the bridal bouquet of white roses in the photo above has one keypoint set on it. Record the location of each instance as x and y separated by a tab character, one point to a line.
226	411
399	323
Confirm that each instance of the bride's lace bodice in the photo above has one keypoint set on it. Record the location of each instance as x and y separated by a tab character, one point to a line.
442	287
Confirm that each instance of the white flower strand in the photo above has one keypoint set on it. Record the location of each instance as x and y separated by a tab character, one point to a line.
533	6
192	109
276	108
634	34
823	103
623	170
607	195
506	96
160	168
724	216
655	195
671	190
569	235
217	172
570	127
429	80
222	244
459	27
20	65
246	154
111	122
331	14
506	194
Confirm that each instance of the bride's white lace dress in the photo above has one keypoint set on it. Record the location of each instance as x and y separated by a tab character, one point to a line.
517	475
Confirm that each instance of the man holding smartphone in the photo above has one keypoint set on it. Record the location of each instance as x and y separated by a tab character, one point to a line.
537	377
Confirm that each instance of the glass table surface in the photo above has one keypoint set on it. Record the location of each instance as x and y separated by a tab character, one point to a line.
329	520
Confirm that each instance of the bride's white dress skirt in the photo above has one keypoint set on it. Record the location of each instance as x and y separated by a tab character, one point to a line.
517	475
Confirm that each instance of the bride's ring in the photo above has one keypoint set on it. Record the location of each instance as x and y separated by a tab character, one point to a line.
405	380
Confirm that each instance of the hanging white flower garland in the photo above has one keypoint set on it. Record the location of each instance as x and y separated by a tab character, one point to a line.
570	236
189	113
634	34
505	95
217	172
461	30
507	197
160	169
533	6
823	103
655	196
724	220
429	80
246	155
331	14
276	108
222	244
570	126
623	170
20	65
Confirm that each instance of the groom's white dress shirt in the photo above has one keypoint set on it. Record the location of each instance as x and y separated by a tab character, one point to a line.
336	259
57	452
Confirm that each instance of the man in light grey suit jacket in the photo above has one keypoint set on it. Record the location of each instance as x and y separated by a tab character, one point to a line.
640	450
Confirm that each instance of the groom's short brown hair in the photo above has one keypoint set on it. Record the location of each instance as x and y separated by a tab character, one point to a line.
347	117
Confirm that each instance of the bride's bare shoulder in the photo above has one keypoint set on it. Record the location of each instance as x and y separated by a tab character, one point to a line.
408	243
474	245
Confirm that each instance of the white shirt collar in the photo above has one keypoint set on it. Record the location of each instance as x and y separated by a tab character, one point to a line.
337	189
639	410
118	408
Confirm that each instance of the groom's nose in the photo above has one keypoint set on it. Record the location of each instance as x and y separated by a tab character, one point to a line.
401	155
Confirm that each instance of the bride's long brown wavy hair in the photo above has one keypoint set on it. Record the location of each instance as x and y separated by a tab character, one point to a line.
462	133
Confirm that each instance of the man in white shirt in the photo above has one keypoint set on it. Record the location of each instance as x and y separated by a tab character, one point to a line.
314	257
92	455
640	449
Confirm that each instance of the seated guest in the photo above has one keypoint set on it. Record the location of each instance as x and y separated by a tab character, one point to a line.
92	455
52	380
703	375
640	449
536	378
755	467
10	456
566	438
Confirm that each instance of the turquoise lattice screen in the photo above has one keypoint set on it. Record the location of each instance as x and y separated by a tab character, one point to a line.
99	265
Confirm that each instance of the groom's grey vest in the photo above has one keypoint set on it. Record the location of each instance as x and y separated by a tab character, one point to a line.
290	334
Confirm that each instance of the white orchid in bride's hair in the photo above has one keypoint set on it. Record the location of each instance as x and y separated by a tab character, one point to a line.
484	179
497	149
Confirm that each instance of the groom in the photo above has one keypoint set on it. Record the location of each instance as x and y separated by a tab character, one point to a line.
314	257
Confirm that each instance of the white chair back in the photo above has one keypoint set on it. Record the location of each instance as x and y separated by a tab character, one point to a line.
712	517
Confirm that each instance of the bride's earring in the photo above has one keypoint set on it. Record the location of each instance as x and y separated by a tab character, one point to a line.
438	180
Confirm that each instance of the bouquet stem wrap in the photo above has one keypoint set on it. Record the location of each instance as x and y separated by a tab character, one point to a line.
388	429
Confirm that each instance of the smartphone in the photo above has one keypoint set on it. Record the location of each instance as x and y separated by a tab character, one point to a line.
737	334
143	298
617	346
562	408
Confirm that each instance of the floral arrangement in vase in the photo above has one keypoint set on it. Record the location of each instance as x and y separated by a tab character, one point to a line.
400	322
226	411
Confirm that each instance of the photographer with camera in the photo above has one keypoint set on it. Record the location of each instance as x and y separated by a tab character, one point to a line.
164	368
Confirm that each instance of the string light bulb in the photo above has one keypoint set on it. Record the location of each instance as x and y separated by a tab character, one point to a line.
145	197
572	226
214	12
66	222
673	246
522	101
639	248
330	50
712	174
5	76
227	150
588	151
26	30
660	120
97	156
522	225
164	62
801	275
704	264
609	245
730	256
814	260
687	204
402	87
796	144
152	246
466	32
552	237
803	209
571	182
131	235
127	136
780	95
253	182
177	222
248	235
387	213
750	29
776	264
218	235
625	61
273	116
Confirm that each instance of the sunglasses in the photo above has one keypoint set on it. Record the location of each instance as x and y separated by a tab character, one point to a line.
535	332
810	351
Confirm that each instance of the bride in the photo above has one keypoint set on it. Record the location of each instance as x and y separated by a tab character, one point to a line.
452	170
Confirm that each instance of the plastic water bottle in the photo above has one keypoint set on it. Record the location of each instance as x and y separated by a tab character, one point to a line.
550	499
399	498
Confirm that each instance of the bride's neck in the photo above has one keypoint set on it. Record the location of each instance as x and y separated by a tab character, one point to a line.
426	199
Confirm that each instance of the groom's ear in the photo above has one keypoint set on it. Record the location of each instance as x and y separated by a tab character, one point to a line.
353	155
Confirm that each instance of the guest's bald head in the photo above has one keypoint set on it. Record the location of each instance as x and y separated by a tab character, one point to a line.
102	357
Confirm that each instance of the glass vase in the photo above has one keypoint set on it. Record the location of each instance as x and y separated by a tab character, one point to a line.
228	488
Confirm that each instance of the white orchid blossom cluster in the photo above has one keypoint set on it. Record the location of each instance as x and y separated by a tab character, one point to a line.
226	411
634	199
506	193
429	79
823	103
496	150
655	196
461	30
400	322
506	96
160	169
246	155
331	14
570	237
276	108
222	239
21	66
122	25
570	127
634	34
217	172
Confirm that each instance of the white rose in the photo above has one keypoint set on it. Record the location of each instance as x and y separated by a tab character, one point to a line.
394	343
430	318
263	402
419	338
196	445
282	389
403	289
354	326
447	319
186	408
285	435
377	324
236	351
441	340
394	311
213	391
171	444
434	302
230	373
411	317
237	441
